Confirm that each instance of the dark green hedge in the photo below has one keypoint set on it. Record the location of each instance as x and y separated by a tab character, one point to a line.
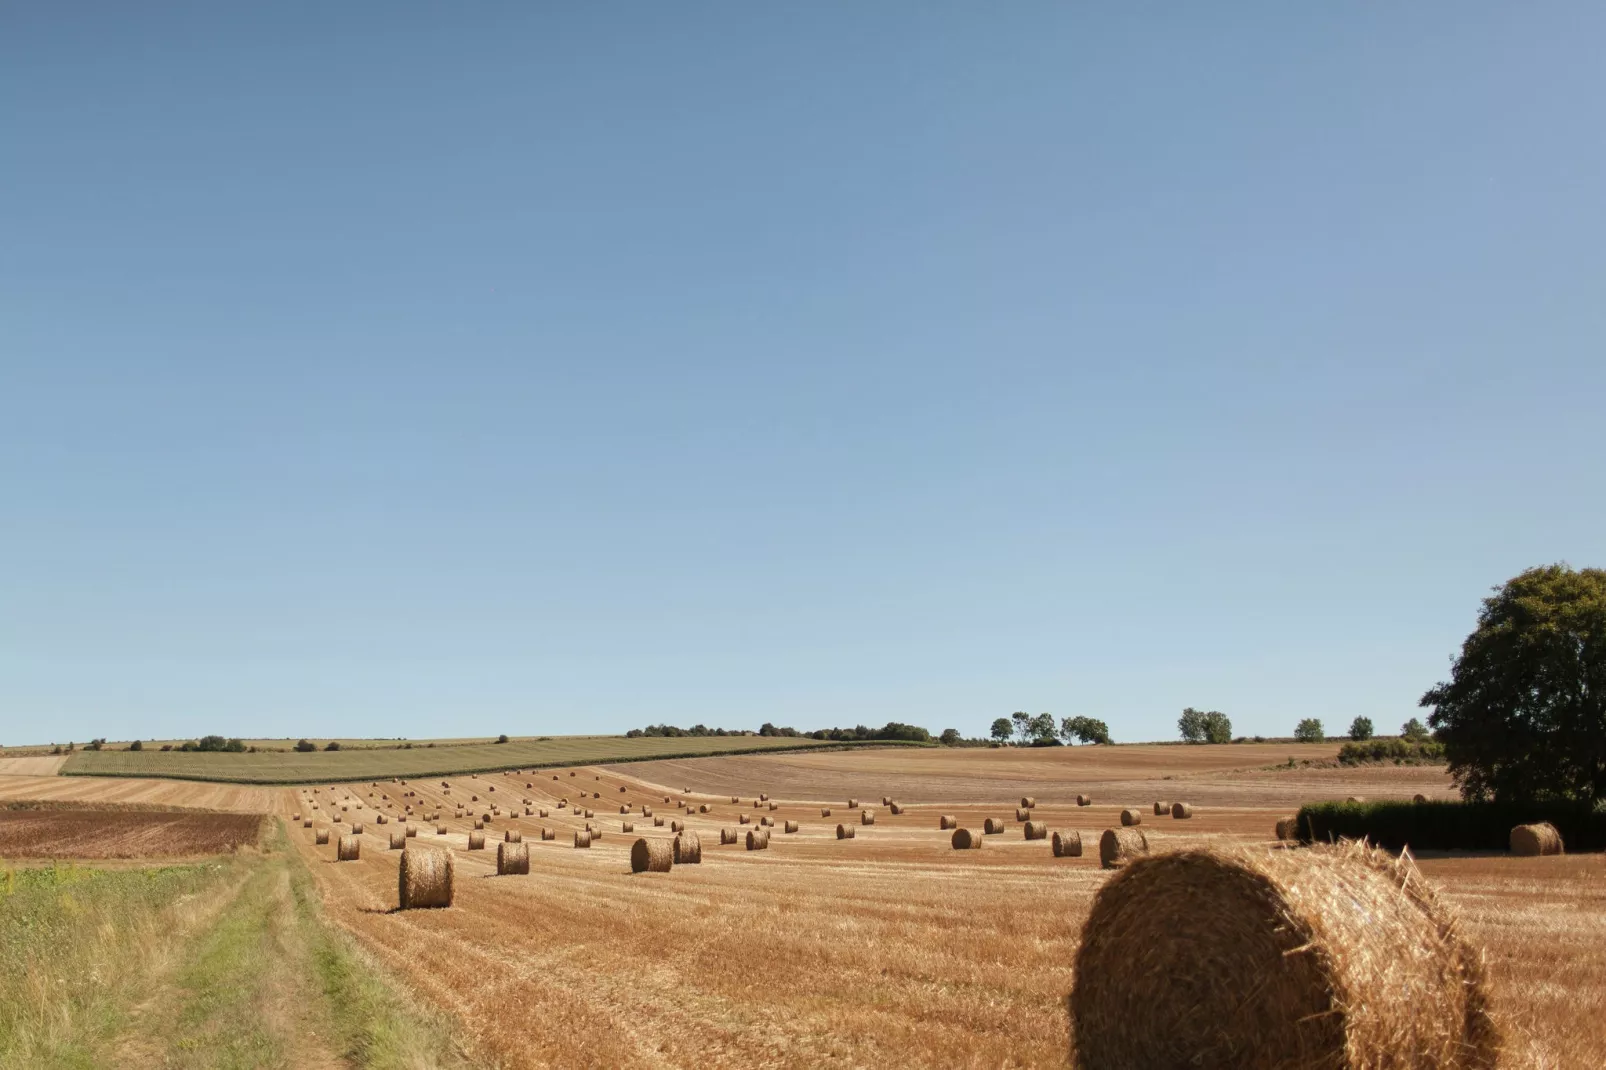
1449	826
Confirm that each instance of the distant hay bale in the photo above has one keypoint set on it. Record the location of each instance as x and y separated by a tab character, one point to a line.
1027	802
688	849
1355	799
381	820
1035	830
476	841
735	801
512	836
440	830
424	878
582	838
578	810
596	834
398	840
478	824
763	797
541	812
866	817
651	856
1288	828
349	849
1067	845
758	839
1327	957
825	811
775	806
844	832
966	840
591	813
727	835
627	826
1117	847
549	834
529	811
1419	799
853	804
992	826
512	859
758	804
1181	810
571	772
1131	817
1540	839
886	800
356	828
765	820
677	826
741	819
646	811
621	787
473	798
1084	800
321	837
596	794
791	826
658	822
296	816
703	809
947	821
306	822
1161	808
896	808
623	809
1022	815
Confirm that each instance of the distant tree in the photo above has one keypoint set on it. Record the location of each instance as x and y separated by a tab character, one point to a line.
167	746
1002	728
1023	725
304	746
1084	730
1360	729
1523	715
95	744
235	746
949	737
1218	729
502	738
1309	731
768	729
136	745
1192	725
333	744
634	733
211	743
1414	731
1043	730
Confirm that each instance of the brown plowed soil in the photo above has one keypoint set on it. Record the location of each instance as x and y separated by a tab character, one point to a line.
89	833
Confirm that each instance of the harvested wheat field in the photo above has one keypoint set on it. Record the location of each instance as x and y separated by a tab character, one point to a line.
78	833
891	948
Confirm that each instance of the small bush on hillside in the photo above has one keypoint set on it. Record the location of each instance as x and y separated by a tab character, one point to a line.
136	745
306	746
1360	729
502	738
1398	751
333	744
1310	731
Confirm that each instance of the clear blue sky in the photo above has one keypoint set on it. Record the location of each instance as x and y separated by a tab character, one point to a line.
406	369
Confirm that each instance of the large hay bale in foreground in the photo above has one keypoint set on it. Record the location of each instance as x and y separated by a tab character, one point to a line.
1540	839
992	826
1067	845
512	859
1117	847
1130	817
1326	958
966	840
947	821
687	849
1035	830
758	839
651	856
476	841
845	832
321	837
1181	810
425	878
349	849
398	840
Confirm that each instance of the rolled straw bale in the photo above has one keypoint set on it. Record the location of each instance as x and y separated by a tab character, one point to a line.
896	808
1035	830
886	800
1288	828
1117	847
651	856
478	824
1161	808
296	816
844	832
1067	845
688	849
853	804
791	826
549	834
512	836
596	794
677	826
1028	802
775	806
1023	815
1329	957
758	839
591	813
398	840
1419	799
703	809
596	833
947	821
735	801
646	811
512	858
992	826
1355	799
349	849
763	797
356	828
582	838
727	835
306	822
742	819
866	817
425	878
440	830
758	804
623	809
541	812
571	772
621	787
476	841
381	820
966	840
825	811
529	811
1540	839
658	822
627	826
578	810
1181	810
764	819
1131	817
320	837
1084	800
473	798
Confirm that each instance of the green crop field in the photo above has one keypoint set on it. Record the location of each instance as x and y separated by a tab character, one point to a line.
373	759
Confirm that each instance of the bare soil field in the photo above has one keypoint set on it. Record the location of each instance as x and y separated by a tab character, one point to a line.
889	949
72	833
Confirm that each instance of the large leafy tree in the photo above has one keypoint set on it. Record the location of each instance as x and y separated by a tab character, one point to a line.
1003	727
1191	725
1523	715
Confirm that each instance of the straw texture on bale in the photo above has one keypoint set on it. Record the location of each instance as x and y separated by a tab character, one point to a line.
1027	802
512	836
844	832
1288	828
1035	830
349	849
966	840
306	822
1161	808
1355	799
825	811
727	835
398	840
582	838
791	826
1131	817
512	859
896	808
688	849
1084	800
549	834
992	826
440	830
867	817
677	826
1067	845
651	856
703	809
627	826
947	821
853	804
356	828
425	878
1540	839
765	820
1022	815
742	819
381	820
1181	810
1117	847
658	822
1331	957
321	837
758	839
775	806
476	841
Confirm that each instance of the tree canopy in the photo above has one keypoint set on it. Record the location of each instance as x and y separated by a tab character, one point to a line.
1198	726
1360	729
1310	730
1523	715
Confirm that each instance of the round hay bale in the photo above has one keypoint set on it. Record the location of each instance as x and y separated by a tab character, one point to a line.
735	801
296	816
763	796
646	811
478	824
758	804
476	841
703	809
623	809
582	838
677	826
1328	957
1161	808
658	822
1117	847
966	840
758	839
549	834
741	819
844	832
473	798
398	840
1181	811
947	821
512	858
349	849
688	849
853	804
1067	845
591	813
1022	815
1130	817
1084	800
1035	830
381	820
627	826
306	822
896	808
992	826
596	794
621	787
440	830
320	837
1419	799
651	856
1027	802
886	800
577	811
866	817
775	806
727	835
571	772
596	834
424	878
791	826
825	811
541	813
765	820
1540	839
356	828
1288	828
512	836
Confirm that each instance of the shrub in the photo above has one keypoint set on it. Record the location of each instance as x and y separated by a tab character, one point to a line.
502	738
167	746
95	744
1309	731
136	745
1414	730
1449	825
1398	751
333	744
1360	729
235	746
306	746
211	743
